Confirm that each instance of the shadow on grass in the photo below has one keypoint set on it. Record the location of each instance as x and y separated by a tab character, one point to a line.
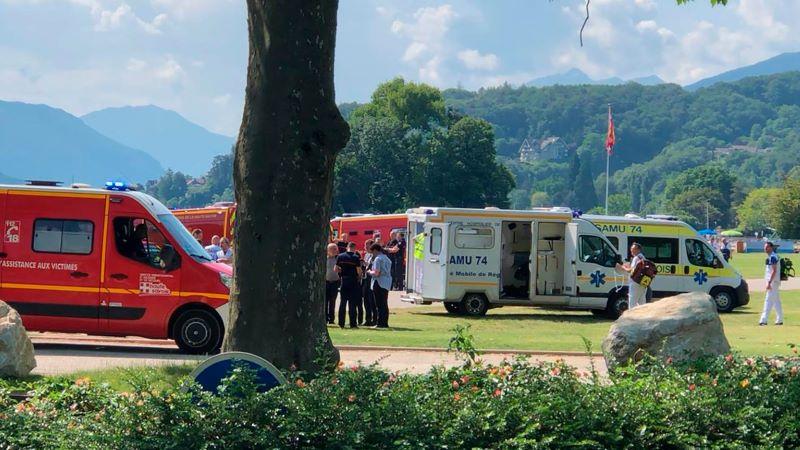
574	318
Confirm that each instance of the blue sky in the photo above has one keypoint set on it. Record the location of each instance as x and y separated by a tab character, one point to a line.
191	55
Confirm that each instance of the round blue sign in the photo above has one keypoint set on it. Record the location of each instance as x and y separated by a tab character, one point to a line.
210	373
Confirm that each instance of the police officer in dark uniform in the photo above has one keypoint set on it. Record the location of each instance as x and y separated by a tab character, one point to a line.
348	264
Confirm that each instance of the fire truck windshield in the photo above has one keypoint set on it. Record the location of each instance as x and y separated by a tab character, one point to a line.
184	238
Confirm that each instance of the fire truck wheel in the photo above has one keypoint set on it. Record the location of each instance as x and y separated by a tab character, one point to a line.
475	305
198	332
454	308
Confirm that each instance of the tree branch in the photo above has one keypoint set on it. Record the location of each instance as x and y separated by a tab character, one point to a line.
580	35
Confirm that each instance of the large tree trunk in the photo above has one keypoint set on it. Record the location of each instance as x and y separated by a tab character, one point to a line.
283	175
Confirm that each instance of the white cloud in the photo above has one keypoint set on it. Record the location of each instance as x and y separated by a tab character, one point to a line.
221	100
473	59
646	4
111	17
414	51
430	71
630	39
428	48
646	25
109	20
170	70
136	65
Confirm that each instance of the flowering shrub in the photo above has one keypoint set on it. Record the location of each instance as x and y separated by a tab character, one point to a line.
728	402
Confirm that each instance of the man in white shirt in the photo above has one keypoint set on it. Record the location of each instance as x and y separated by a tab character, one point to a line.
637	294
772	277
214	248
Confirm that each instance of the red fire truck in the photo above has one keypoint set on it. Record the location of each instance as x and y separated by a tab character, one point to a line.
217	219
359	228
108	262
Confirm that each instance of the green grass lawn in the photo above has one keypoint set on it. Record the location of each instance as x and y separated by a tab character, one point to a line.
750	264
535	329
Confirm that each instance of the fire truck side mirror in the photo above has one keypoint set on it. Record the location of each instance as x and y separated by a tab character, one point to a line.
171	258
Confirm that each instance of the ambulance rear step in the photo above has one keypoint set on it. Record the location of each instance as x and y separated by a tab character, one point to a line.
414	298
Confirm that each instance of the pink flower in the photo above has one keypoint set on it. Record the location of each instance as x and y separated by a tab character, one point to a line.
455	384
300	383
457	397
555	371
692	387
351	398
497	393
464	379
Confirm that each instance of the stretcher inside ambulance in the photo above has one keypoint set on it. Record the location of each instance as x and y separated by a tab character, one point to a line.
108	262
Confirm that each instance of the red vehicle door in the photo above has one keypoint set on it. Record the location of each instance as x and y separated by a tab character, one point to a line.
139	290
53	247
5	231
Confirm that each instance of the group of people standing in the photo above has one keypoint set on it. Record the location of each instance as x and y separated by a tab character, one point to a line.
220	249
364	284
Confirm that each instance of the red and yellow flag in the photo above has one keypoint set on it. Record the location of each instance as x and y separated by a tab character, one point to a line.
610	137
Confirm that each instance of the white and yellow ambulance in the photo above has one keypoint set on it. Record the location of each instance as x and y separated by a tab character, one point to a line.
685	261
476	259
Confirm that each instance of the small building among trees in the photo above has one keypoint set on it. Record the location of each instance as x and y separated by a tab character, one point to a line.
551	148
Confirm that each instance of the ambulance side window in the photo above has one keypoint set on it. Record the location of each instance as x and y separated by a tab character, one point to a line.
614	240
436	241
657	249
699	254
595	250
63	236
140	240
474	237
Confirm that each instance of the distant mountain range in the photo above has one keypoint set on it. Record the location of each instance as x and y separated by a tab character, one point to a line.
784	62
165	135
44	143
578	77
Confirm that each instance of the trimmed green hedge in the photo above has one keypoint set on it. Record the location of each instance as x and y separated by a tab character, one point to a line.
729	402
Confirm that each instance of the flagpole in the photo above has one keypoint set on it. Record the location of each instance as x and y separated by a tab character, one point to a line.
608	162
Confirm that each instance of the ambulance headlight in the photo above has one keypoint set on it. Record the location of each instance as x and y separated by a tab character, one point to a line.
227	280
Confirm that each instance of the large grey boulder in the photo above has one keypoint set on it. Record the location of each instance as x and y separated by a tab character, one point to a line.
683	327
16	349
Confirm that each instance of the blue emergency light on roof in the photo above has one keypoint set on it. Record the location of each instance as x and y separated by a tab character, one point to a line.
117	186
576	213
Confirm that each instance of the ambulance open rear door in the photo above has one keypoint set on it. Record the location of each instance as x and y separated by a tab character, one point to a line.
434	276
570	259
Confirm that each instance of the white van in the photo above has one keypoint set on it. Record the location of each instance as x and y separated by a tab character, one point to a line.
685	261
476	259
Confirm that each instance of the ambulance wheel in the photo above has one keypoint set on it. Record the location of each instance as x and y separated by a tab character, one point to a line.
724	298
617	304
198	332
454	308
475	305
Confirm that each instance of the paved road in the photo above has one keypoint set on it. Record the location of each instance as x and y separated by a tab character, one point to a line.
64	354
758	284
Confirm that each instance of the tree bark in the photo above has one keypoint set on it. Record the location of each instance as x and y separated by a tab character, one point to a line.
283	175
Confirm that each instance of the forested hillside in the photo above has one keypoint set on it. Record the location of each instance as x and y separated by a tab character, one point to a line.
686	153
662	132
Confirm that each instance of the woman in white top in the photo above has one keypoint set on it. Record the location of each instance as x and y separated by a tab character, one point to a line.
225	254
